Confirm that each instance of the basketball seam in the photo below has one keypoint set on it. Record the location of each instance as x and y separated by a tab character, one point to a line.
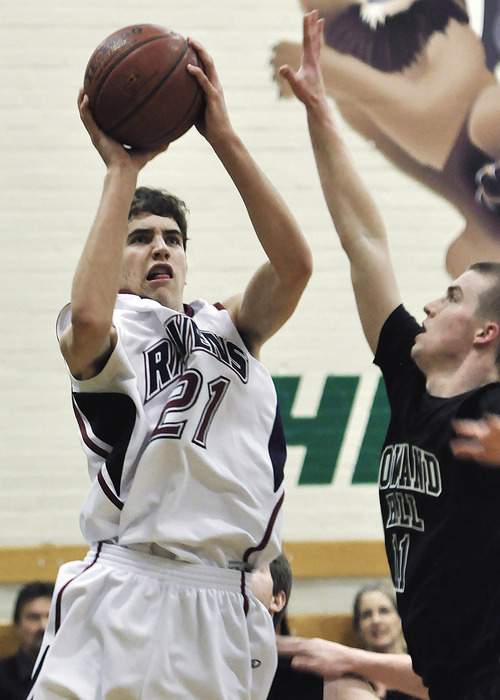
164	134
133	48
155	90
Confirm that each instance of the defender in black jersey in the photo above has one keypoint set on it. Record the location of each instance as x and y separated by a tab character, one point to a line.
441	515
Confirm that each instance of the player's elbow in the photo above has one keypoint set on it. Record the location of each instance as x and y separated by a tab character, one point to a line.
307	267
301	273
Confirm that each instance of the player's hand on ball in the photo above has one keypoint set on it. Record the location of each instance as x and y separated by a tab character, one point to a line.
214	122
111	151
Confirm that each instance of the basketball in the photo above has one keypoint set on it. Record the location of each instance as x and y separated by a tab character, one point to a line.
140	92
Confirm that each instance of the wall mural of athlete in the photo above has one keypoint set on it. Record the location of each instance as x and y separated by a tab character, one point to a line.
413	77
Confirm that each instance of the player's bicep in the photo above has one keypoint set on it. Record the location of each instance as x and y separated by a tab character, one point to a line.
266	304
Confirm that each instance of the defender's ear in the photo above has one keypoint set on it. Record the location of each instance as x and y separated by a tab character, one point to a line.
487	334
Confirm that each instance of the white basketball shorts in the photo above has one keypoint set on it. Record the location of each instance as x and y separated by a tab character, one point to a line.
126	625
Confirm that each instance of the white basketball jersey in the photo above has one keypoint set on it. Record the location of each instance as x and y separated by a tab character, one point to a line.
183	438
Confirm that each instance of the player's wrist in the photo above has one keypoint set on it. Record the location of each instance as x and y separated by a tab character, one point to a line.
225	141
123	171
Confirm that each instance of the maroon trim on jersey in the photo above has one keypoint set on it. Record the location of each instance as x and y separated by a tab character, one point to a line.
277	450
259	548
111	417
246	603
59	595
85	436
189	311
108	492
267	534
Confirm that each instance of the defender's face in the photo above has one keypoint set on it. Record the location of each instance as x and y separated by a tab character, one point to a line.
154	261
451	323
379	622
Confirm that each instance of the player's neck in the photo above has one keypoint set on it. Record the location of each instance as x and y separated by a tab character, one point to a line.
471	374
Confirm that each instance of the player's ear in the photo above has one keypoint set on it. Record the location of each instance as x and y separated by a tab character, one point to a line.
278	602
487	333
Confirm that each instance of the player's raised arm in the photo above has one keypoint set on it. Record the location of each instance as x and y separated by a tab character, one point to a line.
273	293
353	211
90	338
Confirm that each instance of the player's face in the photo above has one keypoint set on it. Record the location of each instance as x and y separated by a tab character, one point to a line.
379	622
451	324
32	624
154	261
262	586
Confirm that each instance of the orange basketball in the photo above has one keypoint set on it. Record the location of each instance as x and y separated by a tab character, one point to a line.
139	89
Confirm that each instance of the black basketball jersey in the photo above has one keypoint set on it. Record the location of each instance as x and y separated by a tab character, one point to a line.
292	684
398	695
441	519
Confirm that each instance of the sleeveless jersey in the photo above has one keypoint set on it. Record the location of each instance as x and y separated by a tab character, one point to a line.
183	437
441	518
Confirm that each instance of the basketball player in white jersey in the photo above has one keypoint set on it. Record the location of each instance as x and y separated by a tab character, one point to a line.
180	424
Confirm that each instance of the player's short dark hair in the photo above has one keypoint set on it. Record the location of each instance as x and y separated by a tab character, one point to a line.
148	200
489	300
35	589
488	305
281	573
381	587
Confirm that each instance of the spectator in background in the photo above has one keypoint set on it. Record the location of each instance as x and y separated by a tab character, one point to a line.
281	574
272	585
376	620
31	611
383	661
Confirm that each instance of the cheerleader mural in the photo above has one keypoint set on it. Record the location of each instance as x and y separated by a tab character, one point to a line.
413	77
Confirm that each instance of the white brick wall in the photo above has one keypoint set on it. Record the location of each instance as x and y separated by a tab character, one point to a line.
50	184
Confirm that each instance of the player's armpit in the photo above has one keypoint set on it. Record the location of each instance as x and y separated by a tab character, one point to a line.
85	365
